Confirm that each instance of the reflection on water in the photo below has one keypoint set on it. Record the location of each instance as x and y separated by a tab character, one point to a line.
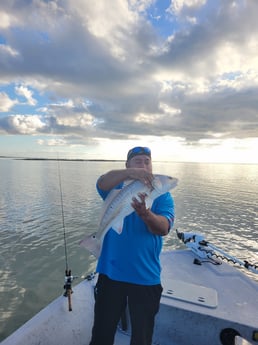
218	201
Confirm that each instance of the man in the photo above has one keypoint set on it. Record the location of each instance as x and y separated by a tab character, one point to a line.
129	266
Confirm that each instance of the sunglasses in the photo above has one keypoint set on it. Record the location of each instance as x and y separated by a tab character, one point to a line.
139	150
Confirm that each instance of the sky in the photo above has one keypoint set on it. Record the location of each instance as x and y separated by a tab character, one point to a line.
89	79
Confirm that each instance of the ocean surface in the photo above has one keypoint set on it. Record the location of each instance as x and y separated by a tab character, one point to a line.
219	201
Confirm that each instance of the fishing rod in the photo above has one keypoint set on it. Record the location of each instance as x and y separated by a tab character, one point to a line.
68	273
206	250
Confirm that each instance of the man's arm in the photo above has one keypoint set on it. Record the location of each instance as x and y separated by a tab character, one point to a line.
157	224
114	177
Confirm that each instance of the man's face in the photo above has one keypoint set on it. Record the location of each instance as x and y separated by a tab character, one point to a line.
140	161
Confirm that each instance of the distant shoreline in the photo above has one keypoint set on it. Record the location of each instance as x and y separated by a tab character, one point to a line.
113	160
61	159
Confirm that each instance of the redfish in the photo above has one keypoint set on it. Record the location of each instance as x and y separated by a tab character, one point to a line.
117	206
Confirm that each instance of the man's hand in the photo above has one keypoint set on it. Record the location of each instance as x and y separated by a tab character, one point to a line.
140	205
142	175
157	224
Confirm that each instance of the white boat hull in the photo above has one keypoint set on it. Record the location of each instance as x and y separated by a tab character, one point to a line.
199	302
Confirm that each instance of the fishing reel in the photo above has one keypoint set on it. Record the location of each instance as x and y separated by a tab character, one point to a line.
68	282
68	287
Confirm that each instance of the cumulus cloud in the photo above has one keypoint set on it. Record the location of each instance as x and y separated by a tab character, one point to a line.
24	124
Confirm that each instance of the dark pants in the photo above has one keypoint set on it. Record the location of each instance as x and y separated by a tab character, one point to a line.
111	299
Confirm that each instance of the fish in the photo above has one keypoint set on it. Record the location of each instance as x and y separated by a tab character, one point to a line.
117	206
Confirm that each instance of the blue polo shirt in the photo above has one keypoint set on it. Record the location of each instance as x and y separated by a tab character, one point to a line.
133	255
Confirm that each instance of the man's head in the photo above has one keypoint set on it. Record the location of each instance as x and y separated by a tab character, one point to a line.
139	157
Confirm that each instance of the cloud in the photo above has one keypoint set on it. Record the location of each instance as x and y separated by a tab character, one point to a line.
52	142
26	93
185	8
91	70
6	103
22	124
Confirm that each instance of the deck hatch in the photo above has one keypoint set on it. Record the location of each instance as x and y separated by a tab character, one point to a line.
190	293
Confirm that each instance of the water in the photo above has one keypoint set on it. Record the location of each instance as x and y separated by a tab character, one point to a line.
219	201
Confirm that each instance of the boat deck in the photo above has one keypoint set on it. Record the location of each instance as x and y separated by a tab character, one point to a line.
198	303
228	299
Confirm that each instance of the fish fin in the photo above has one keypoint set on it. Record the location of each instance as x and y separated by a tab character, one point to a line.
118	225
148	202
92	243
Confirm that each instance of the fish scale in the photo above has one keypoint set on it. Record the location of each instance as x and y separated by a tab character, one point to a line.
120	203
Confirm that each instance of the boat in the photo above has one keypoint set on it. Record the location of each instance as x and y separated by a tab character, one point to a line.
207	299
